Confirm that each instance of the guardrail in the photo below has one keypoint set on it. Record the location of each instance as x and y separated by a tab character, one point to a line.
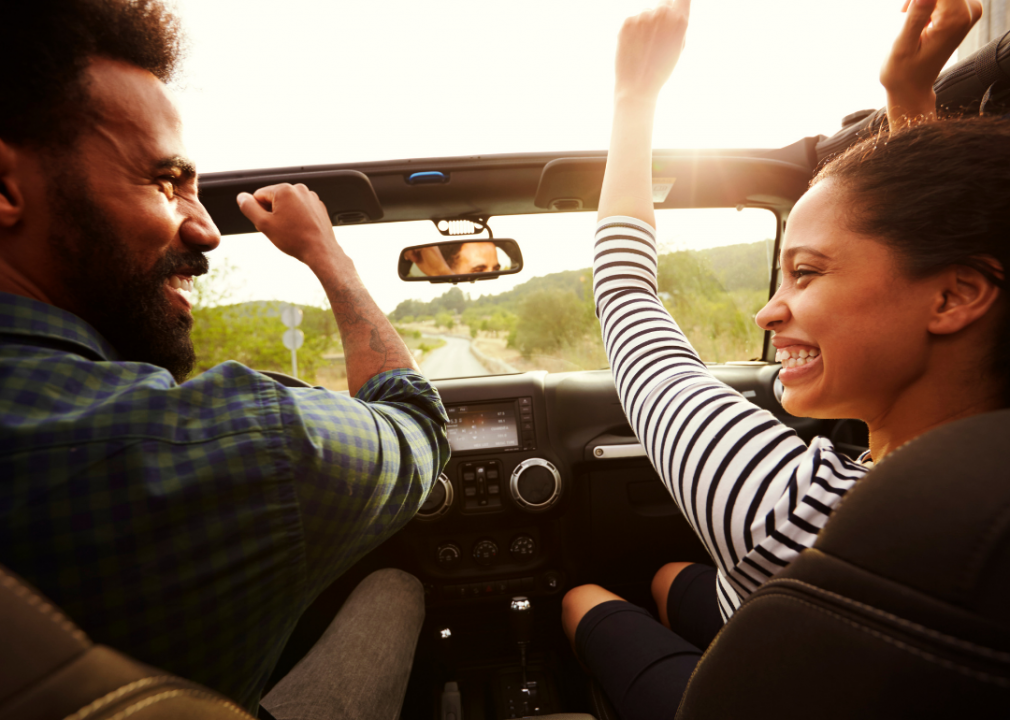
492	365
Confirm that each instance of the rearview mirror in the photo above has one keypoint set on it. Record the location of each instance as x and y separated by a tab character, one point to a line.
464	261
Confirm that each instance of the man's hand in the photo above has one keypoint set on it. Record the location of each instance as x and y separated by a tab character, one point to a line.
648	49
293	217
429	260
933	31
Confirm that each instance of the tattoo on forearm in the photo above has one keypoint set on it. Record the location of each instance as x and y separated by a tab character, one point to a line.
349	309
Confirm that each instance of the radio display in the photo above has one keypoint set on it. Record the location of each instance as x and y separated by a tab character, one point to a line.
482	427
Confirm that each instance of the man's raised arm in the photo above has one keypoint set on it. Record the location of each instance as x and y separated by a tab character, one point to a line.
296	221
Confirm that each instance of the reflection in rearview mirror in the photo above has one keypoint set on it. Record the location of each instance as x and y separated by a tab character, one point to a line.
460	261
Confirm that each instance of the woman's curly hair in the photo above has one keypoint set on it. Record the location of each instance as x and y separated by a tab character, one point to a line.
46	45
937	194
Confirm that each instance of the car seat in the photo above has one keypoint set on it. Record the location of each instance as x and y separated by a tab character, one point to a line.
900	610
49	669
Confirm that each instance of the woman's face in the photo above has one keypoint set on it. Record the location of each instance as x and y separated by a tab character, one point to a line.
849	327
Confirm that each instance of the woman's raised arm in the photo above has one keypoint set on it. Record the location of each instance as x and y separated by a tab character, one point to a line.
647	51
932	33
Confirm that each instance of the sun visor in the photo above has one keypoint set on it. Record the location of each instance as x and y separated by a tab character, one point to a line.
677	182
347	194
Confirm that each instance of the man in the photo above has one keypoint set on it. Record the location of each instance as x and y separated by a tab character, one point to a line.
187	523
452	259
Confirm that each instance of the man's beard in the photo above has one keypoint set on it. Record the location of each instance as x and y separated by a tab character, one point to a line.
126	304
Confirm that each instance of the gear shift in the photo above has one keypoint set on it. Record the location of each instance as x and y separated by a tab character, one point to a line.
521	619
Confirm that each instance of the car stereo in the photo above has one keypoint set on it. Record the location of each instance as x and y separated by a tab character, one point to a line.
501	426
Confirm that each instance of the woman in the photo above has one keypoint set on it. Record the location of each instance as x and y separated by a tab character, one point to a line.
889	311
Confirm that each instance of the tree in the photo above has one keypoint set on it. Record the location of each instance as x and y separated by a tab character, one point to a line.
444	319
549	320
251	333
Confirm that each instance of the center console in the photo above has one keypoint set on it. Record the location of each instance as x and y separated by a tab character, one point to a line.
488	526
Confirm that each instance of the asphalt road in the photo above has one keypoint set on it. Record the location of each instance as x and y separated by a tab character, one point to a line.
453	359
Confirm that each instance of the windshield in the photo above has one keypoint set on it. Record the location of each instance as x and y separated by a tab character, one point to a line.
714	271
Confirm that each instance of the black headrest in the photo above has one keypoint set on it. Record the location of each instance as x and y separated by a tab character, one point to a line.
934	516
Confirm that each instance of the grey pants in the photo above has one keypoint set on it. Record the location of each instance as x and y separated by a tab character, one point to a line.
358	669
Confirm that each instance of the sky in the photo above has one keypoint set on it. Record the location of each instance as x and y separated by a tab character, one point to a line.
304	82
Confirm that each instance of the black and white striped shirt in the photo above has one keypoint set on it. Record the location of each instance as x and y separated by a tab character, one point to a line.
754	492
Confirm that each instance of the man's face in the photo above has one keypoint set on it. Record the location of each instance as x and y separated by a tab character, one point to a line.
476	257
128	232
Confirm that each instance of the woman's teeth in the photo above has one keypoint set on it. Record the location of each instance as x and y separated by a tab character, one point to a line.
793	357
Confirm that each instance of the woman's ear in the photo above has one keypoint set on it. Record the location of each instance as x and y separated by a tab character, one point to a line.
12	201
964	296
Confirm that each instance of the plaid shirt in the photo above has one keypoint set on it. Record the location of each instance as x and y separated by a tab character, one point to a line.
191	525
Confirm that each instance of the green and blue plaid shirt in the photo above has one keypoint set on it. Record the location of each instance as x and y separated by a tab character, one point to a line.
190	525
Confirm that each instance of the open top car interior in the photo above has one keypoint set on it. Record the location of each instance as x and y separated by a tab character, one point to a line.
547	486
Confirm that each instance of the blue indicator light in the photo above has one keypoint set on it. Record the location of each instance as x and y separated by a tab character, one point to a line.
424	178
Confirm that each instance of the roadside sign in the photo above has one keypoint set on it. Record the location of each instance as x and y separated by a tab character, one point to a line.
291	316
293	339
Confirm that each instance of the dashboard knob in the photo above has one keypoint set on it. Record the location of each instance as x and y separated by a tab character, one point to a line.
448	554
535	485
439	500
523	548
485	552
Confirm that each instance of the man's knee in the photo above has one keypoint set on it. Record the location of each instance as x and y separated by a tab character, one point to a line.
661	583
396	582
396	592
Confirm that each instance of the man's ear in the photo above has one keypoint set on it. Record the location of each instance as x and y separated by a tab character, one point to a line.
12	200
964	296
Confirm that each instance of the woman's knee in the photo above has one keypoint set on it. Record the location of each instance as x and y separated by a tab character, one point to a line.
580	600
661	583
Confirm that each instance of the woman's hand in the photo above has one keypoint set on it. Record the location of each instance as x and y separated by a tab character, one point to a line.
933	30
648	49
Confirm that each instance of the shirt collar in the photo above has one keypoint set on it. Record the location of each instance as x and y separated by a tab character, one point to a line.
26	318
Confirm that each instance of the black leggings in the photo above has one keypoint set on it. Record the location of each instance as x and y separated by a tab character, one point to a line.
643	667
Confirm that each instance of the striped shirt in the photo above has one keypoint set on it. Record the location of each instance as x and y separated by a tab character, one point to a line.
754	492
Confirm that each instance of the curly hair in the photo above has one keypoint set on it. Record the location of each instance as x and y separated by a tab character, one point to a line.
45	48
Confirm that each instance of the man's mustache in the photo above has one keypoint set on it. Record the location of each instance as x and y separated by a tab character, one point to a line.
185	263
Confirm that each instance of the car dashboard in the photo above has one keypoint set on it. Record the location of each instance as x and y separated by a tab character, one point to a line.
547	486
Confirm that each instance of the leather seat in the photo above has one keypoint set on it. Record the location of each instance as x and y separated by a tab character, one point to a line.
50	670
900	610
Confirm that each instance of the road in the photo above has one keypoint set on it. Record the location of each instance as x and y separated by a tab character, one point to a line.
453	359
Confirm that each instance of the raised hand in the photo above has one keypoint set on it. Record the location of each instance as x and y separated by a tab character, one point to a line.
933	30
293	217
648	48
647	51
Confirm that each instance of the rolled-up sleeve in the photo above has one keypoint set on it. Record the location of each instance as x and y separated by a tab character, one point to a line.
361	466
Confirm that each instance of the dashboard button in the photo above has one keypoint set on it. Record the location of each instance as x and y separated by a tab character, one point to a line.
469	477
485	552
448	554
492	489
523	548
469	491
